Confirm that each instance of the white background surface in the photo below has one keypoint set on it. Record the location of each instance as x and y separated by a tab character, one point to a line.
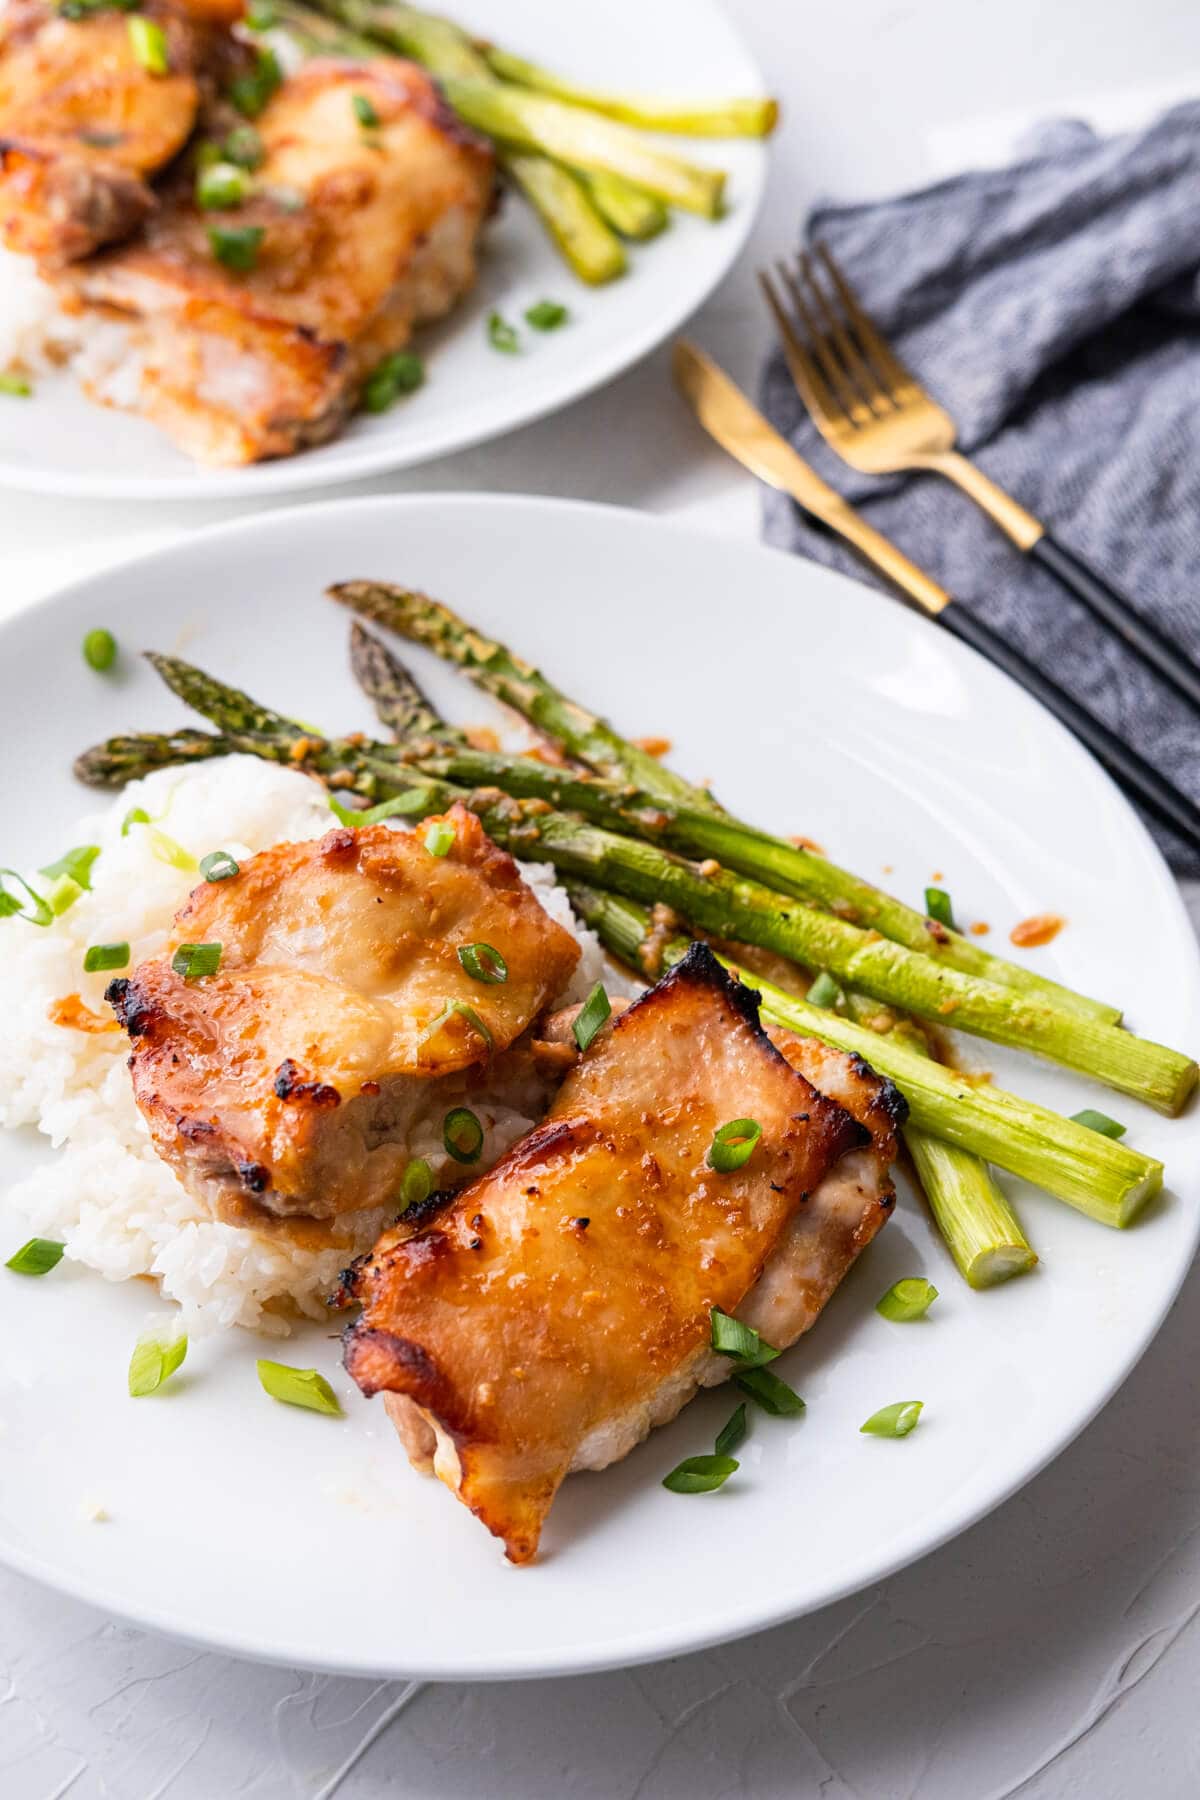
1052	1651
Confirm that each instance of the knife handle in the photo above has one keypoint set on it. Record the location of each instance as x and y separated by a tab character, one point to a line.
1140	780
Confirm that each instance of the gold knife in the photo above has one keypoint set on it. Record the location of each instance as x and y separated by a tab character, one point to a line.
740	428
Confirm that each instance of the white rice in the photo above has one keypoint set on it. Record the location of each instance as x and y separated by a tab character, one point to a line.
106	1194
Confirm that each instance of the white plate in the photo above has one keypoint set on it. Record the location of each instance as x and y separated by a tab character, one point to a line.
60	443
816	706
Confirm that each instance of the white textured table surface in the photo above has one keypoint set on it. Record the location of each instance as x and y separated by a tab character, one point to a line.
1053	1651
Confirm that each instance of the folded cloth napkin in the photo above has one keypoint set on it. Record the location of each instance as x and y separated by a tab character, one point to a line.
1054	308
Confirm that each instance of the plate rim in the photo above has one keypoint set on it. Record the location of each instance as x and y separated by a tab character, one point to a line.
661	1642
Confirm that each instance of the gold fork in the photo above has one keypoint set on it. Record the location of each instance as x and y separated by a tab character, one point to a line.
875	414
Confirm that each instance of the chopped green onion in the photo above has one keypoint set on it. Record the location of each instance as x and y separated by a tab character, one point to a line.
222	185
62	894
298	1387
896	1420
595	1012
364	112
166	850
732	1433
218	865
908	1299
824	991
236	246
193	961
1098	1121
399	373
99	649
154	1362
416	1184
937	906
483	963
37	1257
243	146
772	1393
76	863
16	385
462	1134
733	1145
137	815
149	42
463	1011
98	957
250	92
547	315
404	804
11	907
502	335
730	1337
439	839
700	1474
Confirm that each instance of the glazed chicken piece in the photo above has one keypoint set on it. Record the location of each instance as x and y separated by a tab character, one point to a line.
285	1084
367	231
83	125
546	1317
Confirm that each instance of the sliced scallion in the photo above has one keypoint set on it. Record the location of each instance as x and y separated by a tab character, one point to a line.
733	1145
365	112
99	649
771	1392
193	961
236	247
457	1009
37	1257
404	805
416	1183
221	186
137	815
732	1432
99	957
894	1421
33	907
218	865
149	42
908	1299
243	146
729	1337
547	315
595	1012
62	894
462	1135
1098	1121
298	1387
439	839
483	963
399	373
938	907
502	335
16	386
824	991
166	850
153	1362
250	92
700	1474
76	863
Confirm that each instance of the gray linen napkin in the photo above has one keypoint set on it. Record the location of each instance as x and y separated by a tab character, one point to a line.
1054	308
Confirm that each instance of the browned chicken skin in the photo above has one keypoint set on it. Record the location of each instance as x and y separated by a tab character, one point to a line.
83	126
545	1318
366	233
284	1084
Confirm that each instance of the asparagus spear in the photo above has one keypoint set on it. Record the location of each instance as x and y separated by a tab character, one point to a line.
394	692
754	117
494	668
734	907
584	237
629	210
1001	1128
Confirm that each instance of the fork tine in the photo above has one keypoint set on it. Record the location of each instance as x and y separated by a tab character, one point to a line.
804	372
891	370
864	394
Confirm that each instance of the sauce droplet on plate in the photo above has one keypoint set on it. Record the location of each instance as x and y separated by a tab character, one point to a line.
1042	928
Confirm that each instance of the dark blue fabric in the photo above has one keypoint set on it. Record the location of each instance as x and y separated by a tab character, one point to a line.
1054	308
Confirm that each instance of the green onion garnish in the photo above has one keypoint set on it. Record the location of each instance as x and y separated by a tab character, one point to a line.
236	246
33	908
733	1145
166	850
416	1184
937	906
462	1134
137	815
149	42
298	1387
99	649
416	802
400	373
37	1257
732	1433
547	315
154	1362
364	112
894	1421
193	961
98	957
244	147
218	865
15	385
439	839
824	991
463	1011
700	1474
771	1392
221	186
250	93
502	335
730	1337
908	1299
594	1012
62	894
1098	1121
76	863
483	963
